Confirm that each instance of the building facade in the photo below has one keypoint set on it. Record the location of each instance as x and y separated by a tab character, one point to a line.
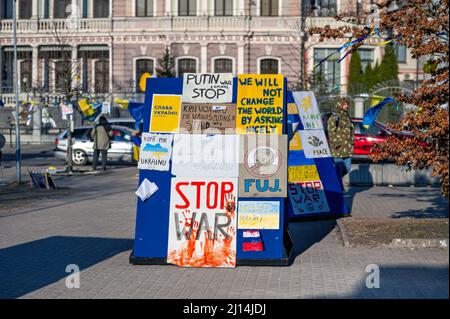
109	44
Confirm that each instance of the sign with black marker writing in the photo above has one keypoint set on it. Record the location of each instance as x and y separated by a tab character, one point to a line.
207	88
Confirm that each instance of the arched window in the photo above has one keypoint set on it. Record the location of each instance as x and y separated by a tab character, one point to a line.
143	66
101	76
186	66
269	8
268	66
223	65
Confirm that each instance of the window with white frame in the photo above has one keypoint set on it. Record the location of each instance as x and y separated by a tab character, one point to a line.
144	8
63	76
322	8
101	8
328	74
366	56
61	8
400	53
223	65
268	66
25	9
223	7
6	9
186	65
25	75
187	7
143	66
101	76
269	8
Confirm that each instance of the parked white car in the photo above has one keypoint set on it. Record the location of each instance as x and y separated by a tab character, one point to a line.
83	148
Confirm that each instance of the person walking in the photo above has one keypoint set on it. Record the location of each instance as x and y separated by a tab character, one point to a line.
341	136
101	135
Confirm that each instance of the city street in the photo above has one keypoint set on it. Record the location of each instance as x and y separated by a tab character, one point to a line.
90	223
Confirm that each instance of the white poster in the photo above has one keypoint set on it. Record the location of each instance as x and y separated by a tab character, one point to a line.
155	151
201	155
202	222
106	107
207	88
308	197
66	109
308	110
314	143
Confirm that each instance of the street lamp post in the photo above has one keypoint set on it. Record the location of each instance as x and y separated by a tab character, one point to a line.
16	93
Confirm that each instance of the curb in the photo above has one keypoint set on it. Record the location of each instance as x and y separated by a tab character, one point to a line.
419	243
343	232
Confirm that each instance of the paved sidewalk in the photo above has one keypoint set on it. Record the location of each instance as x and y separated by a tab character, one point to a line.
93	227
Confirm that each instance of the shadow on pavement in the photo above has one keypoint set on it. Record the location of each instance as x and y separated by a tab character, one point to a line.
362	170
437	206
27	267
402	282
307	233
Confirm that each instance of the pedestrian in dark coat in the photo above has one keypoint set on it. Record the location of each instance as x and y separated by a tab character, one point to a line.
101	135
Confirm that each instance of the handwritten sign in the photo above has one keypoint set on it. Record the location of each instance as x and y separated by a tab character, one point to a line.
314	143
165	116
308	110
260	104
208	118
207	88
308	197
302	173
202	222
155	151
259	215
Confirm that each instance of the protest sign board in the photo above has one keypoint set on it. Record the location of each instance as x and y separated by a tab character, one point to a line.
208	118
202	222
302	173
308	110
155	151
200	155
260	100
263	166
165	116
259	215
308	197
207	88
314	143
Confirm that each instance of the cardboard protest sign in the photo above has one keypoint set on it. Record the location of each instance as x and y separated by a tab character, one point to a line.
308	110
302	173
155	151
202	222
165	117
198	155
66	109
263	166
208	118
314	143
260	104
308	197
259	215
207	88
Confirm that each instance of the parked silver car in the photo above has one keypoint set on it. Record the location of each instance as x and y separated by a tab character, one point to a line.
83	149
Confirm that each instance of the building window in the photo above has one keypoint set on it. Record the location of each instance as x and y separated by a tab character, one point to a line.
223	66
144	8
268	66
186	66
61	8
321	8
400	53
101	76
223	8
25	9
366	56
6	9
101	9
327	75
269	8
63	76
187	7
142	66
25	76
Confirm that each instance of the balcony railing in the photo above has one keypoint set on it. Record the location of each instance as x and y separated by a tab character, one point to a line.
156	24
